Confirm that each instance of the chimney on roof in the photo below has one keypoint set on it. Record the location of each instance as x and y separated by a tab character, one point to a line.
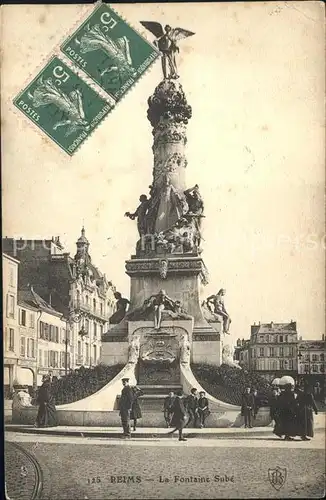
272	324
323	337
254	323
259	323
300	338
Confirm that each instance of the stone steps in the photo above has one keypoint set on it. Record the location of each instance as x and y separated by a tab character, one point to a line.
160	389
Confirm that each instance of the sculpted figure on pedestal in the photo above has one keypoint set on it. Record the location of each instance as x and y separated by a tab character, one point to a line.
140	214
227	356
121	306
133	352
217	303
158	303
167	43
185	350
21	398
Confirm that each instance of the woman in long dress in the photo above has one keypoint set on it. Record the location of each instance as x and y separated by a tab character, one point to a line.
306	406
135	413
47	415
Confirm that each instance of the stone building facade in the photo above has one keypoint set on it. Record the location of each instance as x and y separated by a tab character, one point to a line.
10	320
77	303
271	350
311	357
42	334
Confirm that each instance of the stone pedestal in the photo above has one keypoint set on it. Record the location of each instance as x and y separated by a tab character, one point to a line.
179	275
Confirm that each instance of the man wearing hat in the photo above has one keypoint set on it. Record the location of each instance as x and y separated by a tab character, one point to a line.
125	405
179	417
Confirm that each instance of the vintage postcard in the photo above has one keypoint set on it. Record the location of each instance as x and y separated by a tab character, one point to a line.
163	250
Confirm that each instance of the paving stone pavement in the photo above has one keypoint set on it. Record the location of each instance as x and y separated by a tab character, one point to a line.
101	469
22	474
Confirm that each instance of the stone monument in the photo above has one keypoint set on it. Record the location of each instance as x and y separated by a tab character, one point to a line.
166	327
167	270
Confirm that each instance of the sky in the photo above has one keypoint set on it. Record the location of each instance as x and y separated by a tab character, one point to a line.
254	76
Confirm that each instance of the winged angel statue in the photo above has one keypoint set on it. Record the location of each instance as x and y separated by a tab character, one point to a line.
167	43
119	51
71	105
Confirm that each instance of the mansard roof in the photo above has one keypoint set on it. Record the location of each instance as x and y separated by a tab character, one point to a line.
276	328
29	297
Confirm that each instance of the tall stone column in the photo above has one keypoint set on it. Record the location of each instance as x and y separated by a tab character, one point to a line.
168	113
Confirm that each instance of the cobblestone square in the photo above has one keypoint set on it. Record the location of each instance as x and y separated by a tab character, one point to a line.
98	468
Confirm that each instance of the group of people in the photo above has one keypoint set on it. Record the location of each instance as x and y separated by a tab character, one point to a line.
195	405
292	408
179	411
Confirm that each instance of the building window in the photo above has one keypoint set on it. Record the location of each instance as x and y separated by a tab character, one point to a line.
101	308
53	359
86	325
261	338
272	352
22	346
11	276
281	364
79	348
314	357
291	351
290	364
11	306
286	338
261	352
322	357
94	354
32	320
281	351
23	317
62	359
56	334
87	300
40	357
95	330
101	330
46	358
322	368
11	339
87	353
315	368
281	338
306	368
94	305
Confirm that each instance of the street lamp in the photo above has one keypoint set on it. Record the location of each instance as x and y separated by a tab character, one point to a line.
73	317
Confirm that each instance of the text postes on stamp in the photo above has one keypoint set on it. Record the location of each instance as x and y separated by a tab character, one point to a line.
61	104
112	53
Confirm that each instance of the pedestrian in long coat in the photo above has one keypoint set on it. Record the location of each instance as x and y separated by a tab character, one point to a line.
135	413
191	403
288	413
247	407
274	411
203	410
47	414
125	405
179	417
306	406
168	405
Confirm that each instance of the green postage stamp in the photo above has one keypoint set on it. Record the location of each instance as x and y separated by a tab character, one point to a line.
112	53
64	106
